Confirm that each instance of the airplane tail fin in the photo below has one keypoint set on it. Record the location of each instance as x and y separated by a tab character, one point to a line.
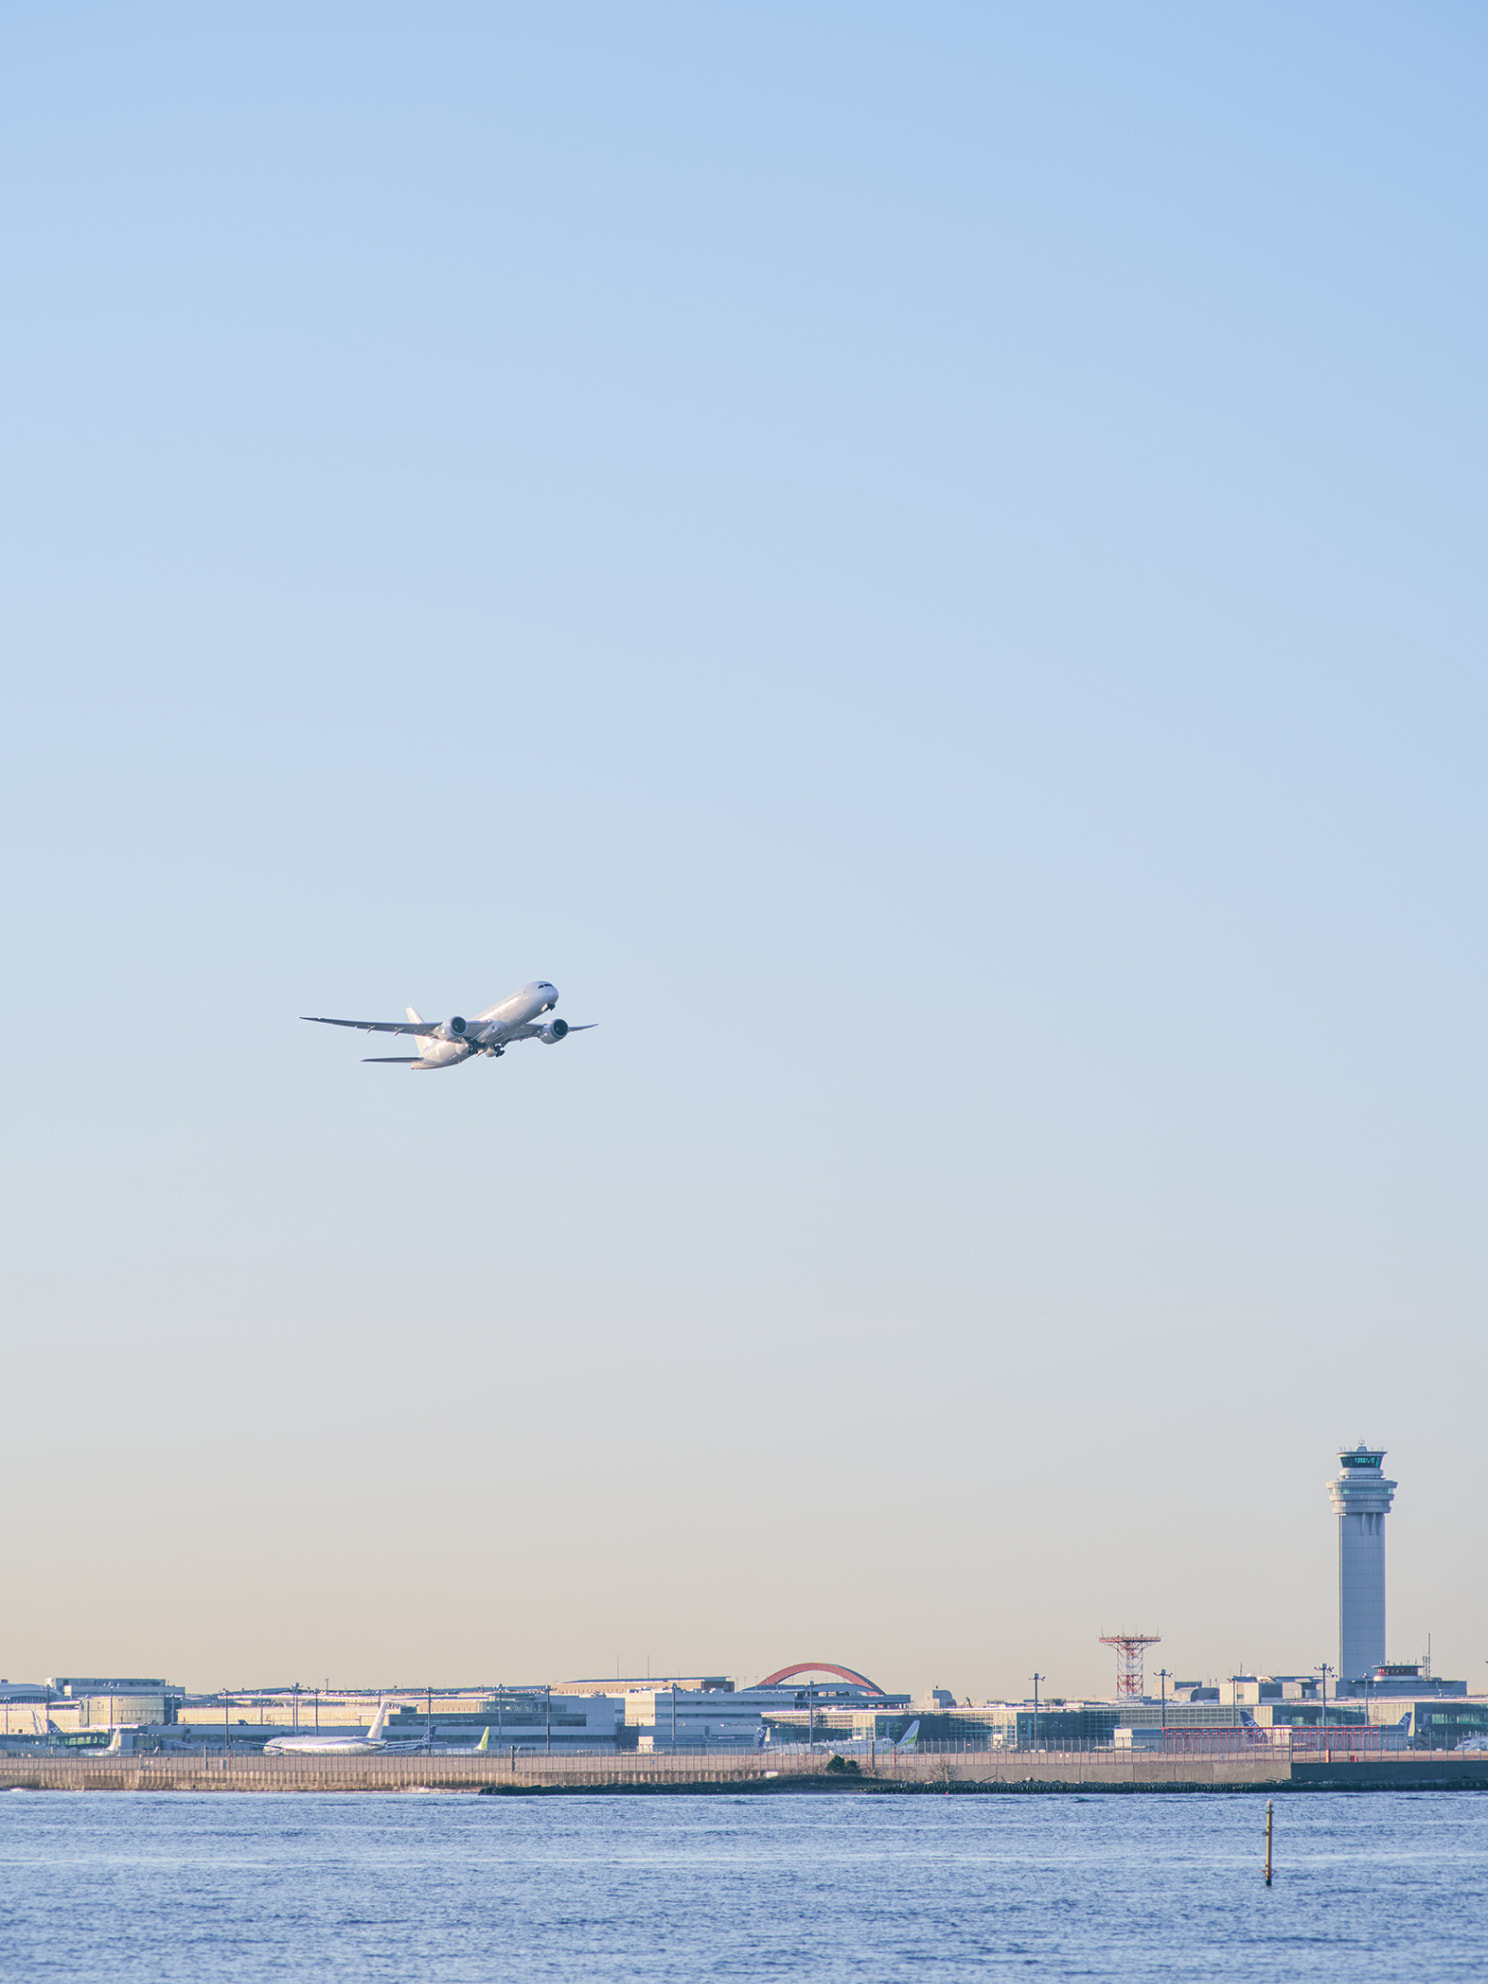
910	1737
374	1734
485	1742
417	1060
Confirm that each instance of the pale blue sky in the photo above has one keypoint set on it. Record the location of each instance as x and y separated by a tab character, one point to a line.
924	564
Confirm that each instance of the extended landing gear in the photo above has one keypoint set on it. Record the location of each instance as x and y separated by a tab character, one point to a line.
494	1052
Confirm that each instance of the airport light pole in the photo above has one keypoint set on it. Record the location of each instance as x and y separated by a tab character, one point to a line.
1162	1676
1325	1670
1036	1679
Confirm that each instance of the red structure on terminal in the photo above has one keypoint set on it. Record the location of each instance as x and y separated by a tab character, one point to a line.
819	1667
1129	1656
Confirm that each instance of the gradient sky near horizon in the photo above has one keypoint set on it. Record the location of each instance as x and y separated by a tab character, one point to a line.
925	565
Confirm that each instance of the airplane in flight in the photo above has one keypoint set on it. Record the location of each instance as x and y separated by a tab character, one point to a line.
446	1043
321	1746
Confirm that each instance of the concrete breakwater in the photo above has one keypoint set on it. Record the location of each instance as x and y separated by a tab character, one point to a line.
966	1770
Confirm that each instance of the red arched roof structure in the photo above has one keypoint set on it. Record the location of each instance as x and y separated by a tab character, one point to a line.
819	1667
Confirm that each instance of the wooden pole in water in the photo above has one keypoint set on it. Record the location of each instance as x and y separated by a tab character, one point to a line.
1268	1842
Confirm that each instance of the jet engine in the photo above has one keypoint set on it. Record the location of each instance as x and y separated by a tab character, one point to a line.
553	1032
452	1029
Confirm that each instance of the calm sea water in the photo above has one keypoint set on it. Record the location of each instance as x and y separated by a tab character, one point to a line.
444	1888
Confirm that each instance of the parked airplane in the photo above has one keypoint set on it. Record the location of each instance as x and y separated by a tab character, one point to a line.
425	1746
448	1042
320	1746
479	1749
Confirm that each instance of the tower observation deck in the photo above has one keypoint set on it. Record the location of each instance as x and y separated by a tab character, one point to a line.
1361	1497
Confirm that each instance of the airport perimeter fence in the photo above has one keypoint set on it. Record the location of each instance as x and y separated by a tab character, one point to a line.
872	1755
1352	1741
1190	1743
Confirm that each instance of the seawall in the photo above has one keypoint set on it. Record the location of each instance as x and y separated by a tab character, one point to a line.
965	1770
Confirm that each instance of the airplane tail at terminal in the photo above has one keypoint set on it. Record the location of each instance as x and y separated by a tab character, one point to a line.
485	1742
910	1737
374	1734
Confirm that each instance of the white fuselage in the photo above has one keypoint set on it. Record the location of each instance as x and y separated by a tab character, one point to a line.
488	1032
321	1746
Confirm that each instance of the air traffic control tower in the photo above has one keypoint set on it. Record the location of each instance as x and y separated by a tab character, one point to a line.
1362	1497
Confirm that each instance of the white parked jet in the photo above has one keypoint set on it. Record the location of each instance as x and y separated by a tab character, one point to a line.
320	1746
448	1042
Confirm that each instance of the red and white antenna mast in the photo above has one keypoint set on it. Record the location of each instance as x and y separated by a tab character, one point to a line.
1129	1653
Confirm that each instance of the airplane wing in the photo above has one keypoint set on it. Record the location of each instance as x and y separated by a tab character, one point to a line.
379	1026
389	1060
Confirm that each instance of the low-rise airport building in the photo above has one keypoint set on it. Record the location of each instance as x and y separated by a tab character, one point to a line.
708	1712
